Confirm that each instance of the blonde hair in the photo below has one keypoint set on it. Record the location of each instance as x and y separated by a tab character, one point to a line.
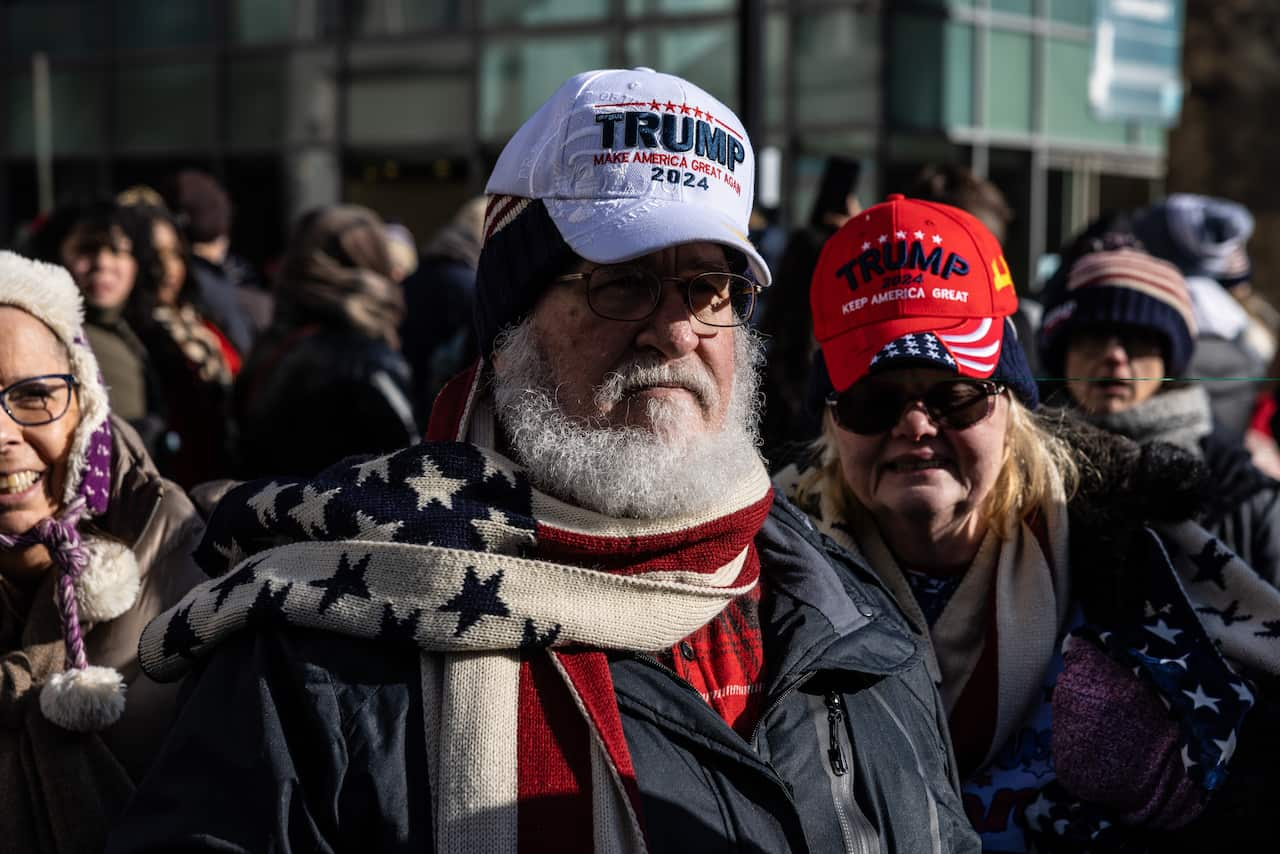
1038	470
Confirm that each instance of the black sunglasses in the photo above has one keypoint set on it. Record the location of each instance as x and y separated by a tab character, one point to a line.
870	407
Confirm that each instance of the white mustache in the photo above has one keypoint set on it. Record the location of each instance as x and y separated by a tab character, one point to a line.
638	376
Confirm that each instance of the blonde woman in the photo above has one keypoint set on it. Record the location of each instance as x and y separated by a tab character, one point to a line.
1080	627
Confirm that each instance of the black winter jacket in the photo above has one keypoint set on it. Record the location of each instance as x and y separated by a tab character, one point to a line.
293	740
310	396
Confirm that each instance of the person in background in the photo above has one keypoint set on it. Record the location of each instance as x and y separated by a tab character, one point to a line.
1122	323
1108	667
1205	239
404	252
192	358
226	284
93	544
439	297
579	619
95	240
785	314
327	380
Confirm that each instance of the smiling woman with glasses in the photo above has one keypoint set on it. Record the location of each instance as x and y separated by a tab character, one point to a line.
93	544
1052	571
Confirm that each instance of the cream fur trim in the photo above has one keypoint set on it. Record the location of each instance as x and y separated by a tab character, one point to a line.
46	292
84	700
110	583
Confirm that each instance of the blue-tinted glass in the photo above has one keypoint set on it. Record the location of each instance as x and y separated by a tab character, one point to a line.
1009	81
517	76
543	11
836	55
409	94
704	55
638	8
145	24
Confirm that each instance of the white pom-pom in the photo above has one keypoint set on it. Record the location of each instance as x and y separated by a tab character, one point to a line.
109	585
84	700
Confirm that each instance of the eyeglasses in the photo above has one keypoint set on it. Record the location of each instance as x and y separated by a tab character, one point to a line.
38	400
625	292
869	407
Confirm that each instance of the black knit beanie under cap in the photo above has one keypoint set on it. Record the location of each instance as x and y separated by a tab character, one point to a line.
522	250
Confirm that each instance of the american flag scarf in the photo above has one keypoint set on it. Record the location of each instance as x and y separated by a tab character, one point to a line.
513	596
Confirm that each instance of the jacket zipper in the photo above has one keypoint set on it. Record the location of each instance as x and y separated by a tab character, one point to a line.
859	836
835	718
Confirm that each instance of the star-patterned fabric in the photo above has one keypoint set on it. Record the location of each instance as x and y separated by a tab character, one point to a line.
917	346
446	546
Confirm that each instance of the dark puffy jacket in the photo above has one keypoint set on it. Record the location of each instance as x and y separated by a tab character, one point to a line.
1243	506
294	740
311	395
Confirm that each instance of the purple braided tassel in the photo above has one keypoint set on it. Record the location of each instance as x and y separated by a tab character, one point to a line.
61	537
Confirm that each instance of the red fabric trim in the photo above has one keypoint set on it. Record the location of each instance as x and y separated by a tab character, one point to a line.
228	350
554	767
450	405
589	672
701	549
1263	411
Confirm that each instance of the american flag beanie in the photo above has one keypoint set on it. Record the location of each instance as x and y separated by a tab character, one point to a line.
522	250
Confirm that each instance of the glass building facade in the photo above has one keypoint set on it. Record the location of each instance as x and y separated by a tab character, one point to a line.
404	104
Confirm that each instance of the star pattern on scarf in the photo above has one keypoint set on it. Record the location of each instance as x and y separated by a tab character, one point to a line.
347	580
1228	615
1210	563
393	628
432	486
476	599
309	513
264	502
243	576
535	640
268	606
1270	629
180	636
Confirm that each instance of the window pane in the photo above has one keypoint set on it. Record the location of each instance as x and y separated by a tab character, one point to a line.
1079	12
256	21
57	27
257	102
76	106
919	88
1009	82
516	77
164	107
1068	114
677	7
410	93
392	17
1019	7
837	67
141	24
706	56
543	11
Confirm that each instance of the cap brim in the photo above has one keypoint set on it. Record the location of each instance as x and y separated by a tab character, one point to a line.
848	356
608	231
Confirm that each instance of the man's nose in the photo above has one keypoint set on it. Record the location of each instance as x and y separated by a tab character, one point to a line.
1114	350
671	329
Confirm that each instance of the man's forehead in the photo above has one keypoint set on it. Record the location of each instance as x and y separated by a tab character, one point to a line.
699	254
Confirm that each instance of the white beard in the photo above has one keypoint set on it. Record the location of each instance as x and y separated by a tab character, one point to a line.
631	472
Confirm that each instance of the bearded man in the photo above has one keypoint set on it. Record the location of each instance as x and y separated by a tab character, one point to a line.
579	619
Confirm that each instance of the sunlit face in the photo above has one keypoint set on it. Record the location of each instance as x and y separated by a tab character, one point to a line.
932	478
1113	368
173	268
584	349
102	265
33	460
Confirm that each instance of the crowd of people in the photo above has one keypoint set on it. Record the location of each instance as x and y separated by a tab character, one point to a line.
577	528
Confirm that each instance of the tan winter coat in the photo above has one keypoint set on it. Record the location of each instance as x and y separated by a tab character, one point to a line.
60	790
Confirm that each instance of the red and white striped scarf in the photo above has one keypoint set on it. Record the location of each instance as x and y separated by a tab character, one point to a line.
526	750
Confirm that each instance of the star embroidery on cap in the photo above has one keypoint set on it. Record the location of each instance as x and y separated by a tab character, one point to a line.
937	238
918	234
901	235
709	118
684	108
866	244
654	105
697	113
884	238
671	108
